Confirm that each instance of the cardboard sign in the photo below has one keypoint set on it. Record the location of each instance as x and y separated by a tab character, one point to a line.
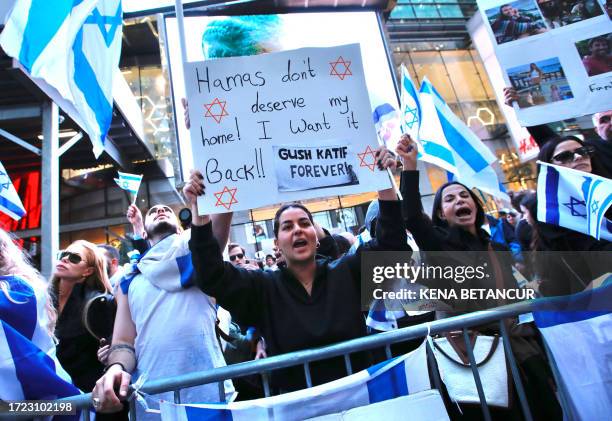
281	127
555	54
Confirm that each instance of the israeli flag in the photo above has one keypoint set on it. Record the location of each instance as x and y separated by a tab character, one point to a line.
129	182
74	46
28	366
575	200
10	203
409	106
583	362
447	142
401	376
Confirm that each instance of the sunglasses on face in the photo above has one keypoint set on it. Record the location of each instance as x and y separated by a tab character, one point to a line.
568	156
72	257
236	256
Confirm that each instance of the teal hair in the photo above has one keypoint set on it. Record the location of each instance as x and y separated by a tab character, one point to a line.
239	36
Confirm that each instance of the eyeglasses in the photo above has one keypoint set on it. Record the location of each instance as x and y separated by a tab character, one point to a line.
568	156
72	257
236	256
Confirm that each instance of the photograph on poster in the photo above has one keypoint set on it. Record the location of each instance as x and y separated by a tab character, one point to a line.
559	13
541	82
607	5
516	20
256	232
595	54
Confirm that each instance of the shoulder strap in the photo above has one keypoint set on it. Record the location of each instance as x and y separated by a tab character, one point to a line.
464	360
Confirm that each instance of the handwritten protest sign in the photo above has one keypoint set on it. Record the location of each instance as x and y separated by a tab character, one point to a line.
280	127
555	54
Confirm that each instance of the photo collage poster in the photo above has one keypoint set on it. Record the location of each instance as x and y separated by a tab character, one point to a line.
555	54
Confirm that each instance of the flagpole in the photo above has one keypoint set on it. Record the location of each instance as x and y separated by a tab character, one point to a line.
178	5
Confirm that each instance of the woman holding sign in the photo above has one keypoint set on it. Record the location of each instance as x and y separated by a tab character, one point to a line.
309	303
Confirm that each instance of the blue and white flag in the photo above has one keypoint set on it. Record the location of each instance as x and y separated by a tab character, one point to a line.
401	376
10	203
28	366
410	108
74	46
129	182
575	200
580	341
447	142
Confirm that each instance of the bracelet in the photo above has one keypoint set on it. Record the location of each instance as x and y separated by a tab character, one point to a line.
112	364
121	346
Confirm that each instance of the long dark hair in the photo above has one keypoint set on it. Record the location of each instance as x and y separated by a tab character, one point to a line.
548	149
437	206
283	208
530	203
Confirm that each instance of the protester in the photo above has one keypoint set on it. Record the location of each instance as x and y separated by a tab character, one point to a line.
323	297
164	325
80	275
113	269
270	263
571	271
30	369
599	59
237	256
455	227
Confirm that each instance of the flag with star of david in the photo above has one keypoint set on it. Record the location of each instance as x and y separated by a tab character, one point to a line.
409	106
575	200
73	46
10	203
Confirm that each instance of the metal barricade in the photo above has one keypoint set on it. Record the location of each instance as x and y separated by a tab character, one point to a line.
385	339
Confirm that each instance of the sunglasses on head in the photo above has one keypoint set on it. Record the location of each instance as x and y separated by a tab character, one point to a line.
236	256
568	156
72	257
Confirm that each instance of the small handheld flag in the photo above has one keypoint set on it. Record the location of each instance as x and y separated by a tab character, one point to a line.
575	200
129	182
10	203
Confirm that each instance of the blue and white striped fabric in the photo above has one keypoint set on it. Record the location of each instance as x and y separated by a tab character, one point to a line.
129	182
410	107
447	142
10	203
575	200
28	366
401	376
74	46
583	362
167	264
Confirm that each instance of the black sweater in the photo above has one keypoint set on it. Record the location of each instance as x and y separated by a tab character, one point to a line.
279	306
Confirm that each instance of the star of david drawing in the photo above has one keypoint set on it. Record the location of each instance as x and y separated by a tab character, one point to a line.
4	184
573	204
338	71
594	206
216	110
362	158
410	117
221	201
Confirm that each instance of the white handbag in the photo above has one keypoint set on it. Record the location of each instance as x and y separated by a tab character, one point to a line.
456	372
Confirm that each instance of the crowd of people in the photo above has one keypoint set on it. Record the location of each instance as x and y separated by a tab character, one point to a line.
179	307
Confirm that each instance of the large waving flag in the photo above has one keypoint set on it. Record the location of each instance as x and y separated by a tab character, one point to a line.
584	366
74	46
447	142
10	203
402	376
575	200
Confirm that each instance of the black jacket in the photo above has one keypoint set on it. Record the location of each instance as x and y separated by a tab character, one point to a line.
567	261
459	247
281	309
77	348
